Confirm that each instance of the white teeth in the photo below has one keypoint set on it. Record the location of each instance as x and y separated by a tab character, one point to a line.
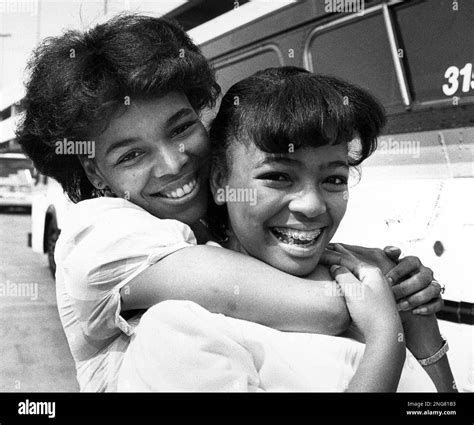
300	234
187	188
180	192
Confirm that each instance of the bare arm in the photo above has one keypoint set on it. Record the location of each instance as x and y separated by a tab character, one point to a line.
413	283
423	340
373	310
381	365
239	286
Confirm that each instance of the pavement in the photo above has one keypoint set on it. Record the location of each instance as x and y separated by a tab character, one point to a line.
34	353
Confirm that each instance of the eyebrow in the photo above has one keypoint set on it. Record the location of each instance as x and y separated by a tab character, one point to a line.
336	163
120	144
169	122
178	115
276	159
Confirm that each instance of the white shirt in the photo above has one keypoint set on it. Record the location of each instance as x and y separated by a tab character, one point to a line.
104	243
180	346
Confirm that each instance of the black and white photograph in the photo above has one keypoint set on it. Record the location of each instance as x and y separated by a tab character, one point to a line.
204	198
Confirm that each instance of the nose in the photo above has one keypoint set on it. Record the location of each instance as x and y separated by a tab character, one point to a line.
168	160
310	202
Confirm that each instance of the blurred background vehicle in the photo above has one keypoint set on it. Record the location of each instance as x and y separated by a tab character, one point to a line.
16	181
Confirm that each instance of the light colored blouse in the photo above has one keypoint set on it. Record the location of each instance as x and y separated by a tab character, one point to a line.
104	243
180	346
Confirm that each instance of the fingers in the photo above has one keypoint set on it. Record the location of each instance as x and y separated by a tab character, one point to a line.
407	266
344	278
349	260
430	308
423	279
420	298
392	252
352	248
330	258
341	257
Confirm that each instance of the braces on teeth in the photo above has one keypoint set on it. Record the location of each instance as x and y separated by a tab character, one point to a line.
308	236
291	237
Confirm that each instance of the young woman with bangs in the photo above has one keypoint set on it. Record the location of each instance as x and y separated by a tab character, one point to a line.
295	159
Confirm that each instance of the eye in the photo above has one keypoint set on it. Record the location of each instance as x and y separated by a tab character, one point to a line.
337	180
128	157
275	177
182	128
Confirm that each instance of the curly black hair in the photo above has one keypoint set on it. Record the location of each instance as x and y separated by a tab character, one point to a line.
287	108
78	80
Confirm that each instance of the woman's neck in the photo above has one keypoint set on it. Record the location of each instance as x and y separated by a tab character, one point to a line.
234	244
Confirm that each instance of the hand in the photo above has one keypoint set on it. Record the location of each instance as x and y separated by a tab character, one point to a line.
367	293
373	256
412	283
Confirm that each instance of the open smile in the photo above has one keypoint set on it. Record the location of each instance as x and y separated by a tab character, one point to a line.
181	191
299	243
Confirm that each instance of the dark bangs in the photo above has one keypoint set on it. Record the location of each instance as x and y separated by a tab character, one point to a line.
284	109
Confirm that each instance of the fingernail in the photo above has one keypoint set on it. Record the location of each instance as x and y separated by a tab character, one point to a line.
390	280
404	305
422	310
333	268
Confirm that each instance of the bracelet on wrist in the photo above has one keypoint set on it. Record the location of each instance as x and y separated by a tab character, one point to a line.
436	356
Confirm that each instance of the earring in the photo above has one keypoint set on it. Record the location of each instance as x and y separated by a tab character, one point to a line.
101	192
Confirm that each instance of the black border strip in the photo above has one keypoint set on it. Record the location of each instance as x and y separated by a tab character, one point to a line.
127	405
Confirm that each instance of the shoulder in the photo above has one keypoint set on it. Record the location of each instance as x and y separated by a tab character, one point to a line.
106	240
114	212
105	223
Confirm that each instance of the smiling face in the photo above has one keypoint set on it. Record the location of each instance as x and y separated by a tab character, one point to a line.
301	198
155	154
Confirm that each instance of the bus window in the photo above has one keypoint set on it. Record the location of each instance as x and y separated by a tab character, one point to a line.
438	46
358	51
230	71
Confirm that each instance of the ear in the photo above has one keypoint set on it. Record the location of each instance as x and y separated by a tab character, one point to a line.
92	172
217	182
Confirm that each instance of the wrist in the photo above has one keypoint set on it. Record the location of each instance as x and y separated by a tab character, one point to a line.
423	337
390	334
435	356
388	344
